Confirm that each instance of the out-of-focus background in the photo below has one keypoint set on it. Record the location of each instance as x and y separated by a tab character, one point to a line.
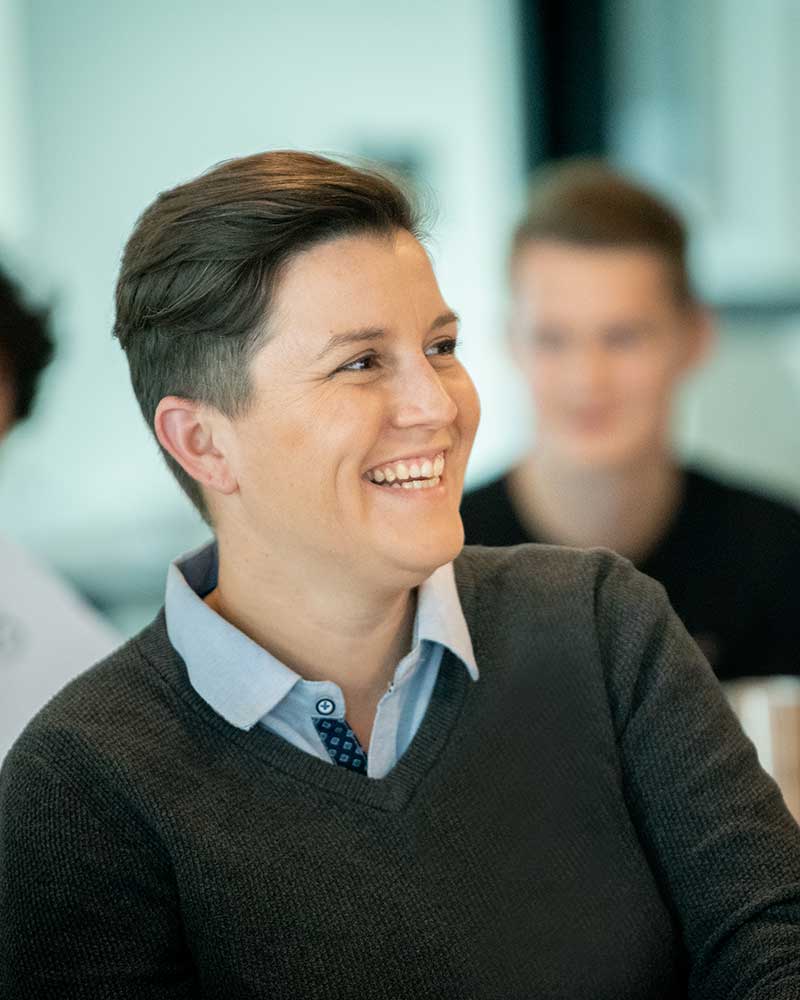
103	104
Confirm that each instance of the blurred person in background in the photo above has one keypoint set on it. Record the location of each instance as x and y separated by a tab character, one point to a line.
349	758
604	327
47	633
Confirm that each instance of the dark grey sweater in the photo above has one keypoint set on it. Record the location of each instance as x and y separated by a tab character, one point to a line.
587	821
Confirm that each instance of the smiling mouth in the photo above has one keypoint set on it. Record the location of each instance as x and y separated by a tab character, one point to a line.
412	474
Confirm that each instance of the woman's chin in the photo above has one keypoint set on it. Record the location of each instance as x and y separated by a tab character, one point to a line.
426	551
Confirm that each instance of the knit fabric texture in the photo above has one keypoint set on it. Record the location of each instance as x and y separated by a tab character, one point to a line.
587	821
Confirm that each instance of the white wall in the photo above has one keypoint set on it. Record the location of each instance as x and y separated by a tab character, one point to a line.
741	412
128	99
14	135
704	107
704	103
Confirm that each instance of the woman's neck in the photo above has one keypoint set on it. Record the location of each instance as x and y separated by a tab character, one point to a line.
627	509
351	635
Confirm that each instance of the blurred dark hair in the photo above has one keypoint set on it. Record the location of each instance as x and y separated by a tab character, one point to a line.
201	267
26	346
587	202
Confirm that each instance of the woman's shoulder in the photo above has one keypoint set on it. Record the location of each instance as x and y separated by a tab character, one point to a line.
591	596
574	594
542	569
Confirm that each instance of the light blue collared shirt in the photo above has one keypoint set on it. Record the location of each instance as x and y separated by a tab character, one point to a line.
246	685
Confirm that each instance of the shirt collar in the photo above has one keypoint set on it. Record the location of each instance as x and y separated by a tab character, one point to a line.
440	618
239	679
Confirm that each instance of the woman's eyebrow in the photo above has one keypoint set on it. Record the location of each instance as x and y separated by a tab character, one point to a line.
375	333
445	320
351	337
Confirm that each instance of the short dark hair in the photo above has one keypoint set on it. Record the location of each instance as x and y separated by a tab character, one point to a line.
587	202
26	346
201	267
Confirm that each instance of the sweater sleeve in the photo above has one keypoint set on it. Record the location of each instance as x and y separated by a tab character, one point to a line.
719	838
85	911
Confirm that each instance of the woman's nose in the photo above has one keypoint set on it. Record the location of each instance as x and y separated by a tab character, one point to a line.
420	398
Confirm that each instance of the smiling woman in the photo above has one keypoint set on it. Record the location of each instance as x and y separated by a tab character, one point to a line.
330	419
347	755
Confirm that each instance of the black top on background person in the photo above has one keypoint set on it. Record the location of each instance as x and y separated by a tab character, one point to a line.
730	563
604	327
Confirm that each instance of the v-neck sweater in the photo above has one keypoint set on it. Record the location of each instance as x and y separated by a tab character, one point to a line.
587	821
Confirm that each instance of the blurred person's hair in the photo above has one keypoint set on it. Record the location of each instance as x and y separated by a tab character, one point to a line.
26	346
200	270
588	203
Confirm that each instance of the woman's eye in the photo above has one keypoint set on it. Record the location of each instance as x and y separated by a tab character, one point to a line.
447	346
370	362
364	364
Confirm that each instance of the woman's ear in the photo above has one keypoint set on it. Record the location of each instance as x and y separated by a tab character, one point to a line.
194	435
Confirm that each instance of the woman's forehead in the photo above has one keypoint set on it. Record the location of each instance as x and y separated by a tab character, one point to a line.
356	283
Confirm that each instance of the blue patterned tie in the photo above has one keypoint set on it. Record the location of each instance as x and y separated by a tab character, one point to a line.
341	743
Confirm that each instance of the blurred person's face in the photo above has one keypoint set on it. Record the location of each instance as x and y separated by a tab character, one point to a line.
602	341
355	447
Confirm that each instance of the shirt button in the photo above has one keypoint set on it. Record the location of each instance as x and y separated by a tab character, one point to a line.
325	706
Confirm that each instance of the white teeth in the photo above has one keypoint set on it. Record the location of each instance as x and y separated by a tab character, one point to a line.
419	471
417	484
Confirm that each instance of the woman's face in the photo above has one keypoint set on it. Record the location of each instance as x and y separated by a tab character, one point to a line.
356	389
